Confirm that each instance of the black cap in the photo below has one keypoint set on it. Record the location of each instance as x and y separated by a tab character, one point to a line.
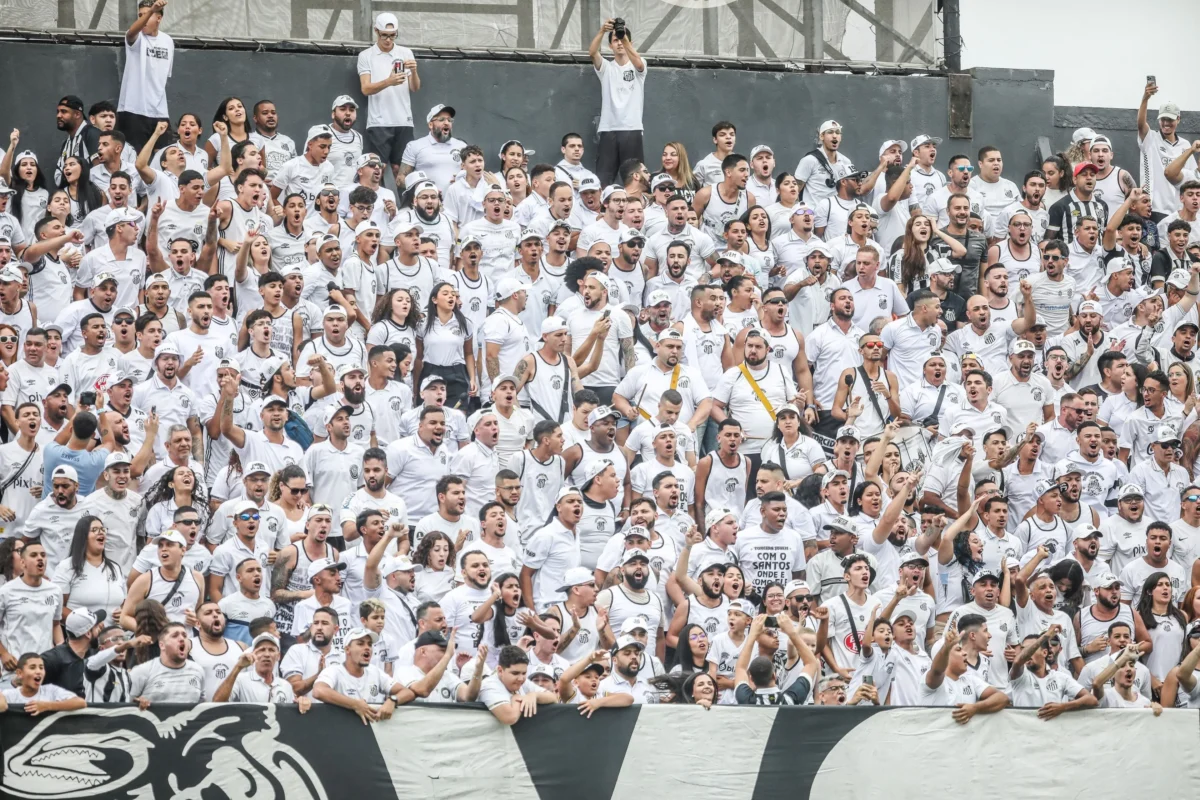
431	637
72	102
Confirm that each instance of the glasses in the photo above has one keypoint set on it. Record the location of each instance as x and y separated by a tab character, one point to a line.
116	638
388	36
363	208
1191	498
8	339
1022	224
967	168
803	598
1051	257
190	521
246	516
778	301
297	492
697	636
872	344
329	193
808	212
665	187
123	321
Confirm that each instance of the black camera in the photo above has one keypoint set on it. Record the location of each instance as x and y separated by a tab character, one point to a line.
619	29
771	622
87	398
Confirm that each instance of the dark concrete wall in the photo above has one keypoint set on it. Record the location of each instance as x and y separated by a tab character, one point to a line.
537	103
1118	124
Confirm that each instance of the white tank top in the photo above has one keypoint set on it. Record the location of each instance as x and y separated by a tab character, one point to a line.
418	279
623	607
297	582
22	321
712	620
783	349
634	281
718	212
187	596
588	638
539	486
1109	189
216	667
1091	628
613	456
596	526
1018	268
869	423
283	335
546	389
240	221
175	223
726	487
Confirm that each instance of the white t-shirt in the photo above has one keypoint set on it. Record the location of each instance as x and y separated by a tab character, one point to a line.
622	92
374	685
968	688
391	107
148	63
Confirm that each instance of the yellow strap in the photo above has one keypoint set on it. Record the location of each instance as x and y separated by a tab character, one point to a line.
675	376
762	398
642	411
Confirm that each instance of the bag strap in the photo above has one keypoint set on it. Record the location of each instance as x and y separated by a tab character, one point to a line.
675	376
871	394
564	404
175	588
21	471
932	419
819	155
850	619
762	398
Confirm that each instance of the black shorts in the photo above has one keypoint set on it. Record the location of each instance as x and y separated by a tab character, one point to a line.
389	142
138	129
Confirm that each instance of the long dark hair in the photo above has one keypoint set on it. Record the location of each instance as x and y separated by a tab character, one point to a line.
1070	600
431	311
1145	606
962	554
383	309
150	619
912	254
1064	168
20	190
745	219
421	556
499	627
7	548
79	549
220	116
162	492
685	658
90	198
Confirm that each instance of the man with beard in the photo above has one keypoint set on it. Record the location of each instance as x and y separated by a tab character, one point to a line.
373	495
52	520
909	598
991	338
245	543
547	378
708	607
751	392
540	287
1096	625
1015	253
360	430
1036	611
1036	683
599	446
1082	345
271	445
624	686
873	390
631	599
437	155
1026	395
924	399
551	551
608	228
416	463
173	677
248	604
1032	191
1161	477
672	286
617	342
1143	424
358	685
807	288
327	270
204	346
306	660
995	289
1086	543
888	541
278	148
832	346
1137	334
495	234
1070	483
459	604
433	395
279	381
1000	624
641	389
83	367
427	213
325	577
215	654
702	247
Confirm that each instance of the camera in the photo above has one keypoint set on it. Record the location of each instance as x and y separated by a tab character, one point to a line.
771	623
87	398
619	29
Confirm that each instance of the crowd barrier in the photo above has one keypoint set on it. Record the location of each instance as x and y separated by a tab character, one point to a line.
735	753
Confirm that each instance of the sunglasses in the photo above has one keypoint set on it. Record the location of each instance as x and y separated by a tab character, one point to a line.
872	344
300	491
123	321
8	339
808	212
778	301
695	637
246	516
804	598
1051	257
1191	498
967	168
187	521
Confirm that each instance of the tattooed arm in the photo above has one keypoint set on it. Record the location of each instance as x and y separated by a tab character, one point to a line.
628	355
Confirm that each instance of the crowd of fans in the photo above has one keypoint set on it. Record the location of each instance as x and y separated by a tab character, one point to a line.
522	433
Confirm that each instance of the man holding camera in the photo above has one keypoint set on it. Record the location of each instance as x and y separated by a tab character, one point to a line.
622	91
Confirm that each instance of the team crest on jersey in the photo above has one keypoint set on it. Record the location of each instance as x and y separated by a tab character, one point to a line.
707	347
996	416
354	471
989	339
777	352
288	461
882	301
62	277
556	383
1008	193
1037	395
184	401
395	404
731	485
950	315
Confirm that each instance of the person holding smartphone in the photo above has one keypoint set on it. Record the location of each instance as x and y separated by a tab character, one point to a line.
387	75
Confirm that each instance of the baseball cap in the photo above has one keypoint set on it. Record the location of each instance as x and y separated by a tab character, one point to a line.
576	576
1084	166
318	510
386	21
438	109
1043	487
119	215
553	325
923	138
366	226
117	459
401	563
404	223
273	400
345	369
829	125
669	333
636	530
1021	346
344	100
910	556
942	266
1090	307
334	311
661	179
242	506
594	468
609	191
1087	531
600	413
333	411
1179	279
1164	434
320	565
81	621
1169	110
761	148
435	638
317	131
1066	467
908	612
256	468
1130	490
157	277
1185	323
840	523
71	101
796	586
717	515
1101	140
732	256
171	535
508	287
566	492
630	235
429	380
1082	135
10	274
883	147
103	277
848	432
65	471
264	638
360	633
499	380
656	297
743	605
636	622
635	554
589	183
628	641
1105	580
831	476
1116	265
984	574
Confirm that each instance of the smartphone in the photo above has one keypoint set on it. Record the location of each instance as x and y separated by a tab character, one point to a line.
607	311
869	680
1151	79
87	398
771	623
397	67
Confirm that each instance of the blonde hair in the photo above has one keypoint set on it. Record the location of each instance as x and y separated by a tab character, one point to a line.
369	606
684	179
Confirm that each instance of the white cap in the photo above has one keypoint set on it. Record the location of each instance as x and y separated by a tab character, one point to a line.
1044	487
344	100
1165	434
334	311
431	379
508	287
401	563
366	226
333	410
883	147
630	234
1086	531
264	638
718	515
1128	490
438	109
659	179
759	148
732	256
321	564
1021	346
635	554
553	325
1090	306
317	131
243	506
594	468
117	459
403	223
636	622
255	468
828	125
1106	580
1179	278
923	138
1169	110
848	432
942	266
840	523
797	586
386	22
743	605
119	215
10	274
1116	265
81	621
360	633
317	510
1082	135
566	492
599	413
629	641
345	369
829	477
656	297
576	576
636	530
171	535
65	471
589	183
609	191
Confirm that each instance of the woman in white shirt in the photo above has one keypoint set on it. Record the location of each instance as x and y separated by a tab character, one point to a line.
435	576
1116	408
799	455
90	580
445	347
232	112
32	196
289	490
174	490
395	320
780	211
